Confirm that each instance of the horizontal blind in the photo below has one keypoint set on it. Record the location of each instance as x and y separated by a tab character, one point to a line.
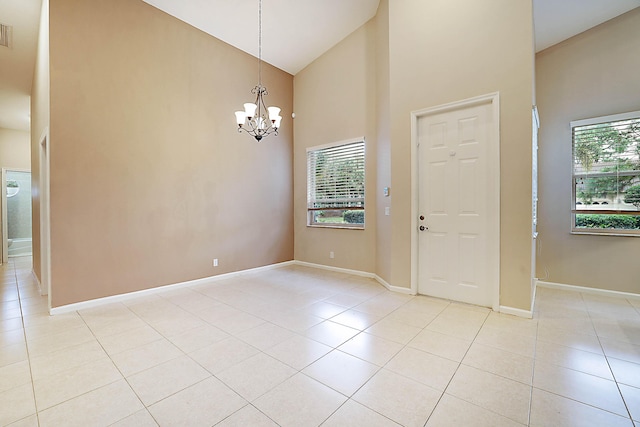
606	162
607	147
336	176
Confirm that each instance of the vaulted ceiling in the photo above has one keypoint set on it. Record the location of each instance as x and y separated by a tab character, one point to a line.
295	32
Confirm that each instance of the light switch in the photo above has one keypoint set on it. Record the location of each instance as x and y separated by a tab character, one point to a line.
386	192
387	210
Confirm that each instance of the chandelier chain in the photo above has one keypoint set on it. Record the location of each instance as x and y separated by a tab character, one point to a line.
260	42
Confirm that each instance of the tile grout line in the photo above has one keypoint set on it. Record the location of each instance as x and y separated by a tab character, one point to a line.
211	374
460	364
533	371
379	368
457	367
597	336
116	366
26	345
336	348
606	357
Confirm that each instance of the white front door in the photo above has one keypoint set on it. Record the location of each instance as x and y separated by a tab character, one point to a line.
457	205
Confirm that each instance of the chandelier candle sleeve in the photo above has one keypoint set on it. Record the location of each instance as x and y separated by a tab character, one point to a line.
250	110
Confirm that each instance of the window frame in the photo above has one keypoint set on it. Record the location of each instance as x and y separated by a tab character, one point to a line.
633	115
311	181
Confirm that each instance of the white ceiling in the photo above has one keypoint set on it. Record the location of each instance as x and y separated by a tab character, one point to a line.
295	32
558	20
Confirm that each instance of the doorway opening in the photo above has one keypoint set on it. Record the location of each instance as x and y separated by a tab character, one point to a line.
16	213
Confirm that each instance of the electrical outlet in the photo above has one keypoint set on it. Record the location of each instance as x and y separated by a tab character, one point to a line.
331	255
215	262
387	210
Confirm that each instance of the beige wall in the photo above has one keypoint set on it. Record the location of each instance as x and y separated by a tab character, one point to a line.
383	168
335	100
444	51
39	127
149	179
590	75
426	54
15	150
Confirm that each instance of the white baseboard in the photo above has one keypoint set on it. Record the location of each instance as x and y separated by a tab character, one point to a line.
336	269
131	295
586	290
35	277
392	288
527	314
357	273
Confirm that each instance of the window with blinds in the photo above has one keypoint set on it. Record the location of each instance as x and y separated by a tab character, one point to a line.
335	184
606	175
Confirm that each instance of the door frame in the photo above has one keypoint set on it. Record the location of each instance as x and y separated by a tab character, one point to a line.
45	215
534	204
493	202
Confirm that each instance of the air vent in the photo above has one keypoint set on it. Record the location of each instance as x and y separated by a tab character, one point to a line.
6	35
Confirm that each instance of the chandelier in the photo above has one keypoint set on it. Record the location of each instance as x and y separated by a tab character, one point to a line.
256	119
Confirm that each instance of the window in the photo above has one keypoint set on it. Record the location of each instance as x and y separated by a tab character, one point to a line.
335	185
606	175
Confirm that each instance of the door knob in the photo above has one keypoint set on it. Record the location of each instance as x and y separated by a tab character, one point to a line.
421	217
422	228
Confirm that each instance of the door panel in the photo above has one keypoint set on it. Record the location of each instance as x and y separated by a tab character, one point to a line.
437	192
468	193
467	250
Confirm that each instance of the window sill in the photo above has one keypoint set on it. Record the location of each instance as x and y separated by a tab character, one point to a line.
605	232
335	226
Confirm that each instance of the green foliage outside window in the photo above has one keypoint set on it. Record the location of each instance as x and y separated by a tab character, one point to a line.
633	196
624	222
354	217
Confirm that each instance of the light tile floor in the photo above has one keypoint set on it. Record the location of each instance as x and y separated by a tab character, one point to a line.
298	346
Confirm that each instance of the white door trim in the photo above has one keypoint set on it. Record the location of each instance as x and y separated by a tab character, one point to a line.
493	192
3	215
45	215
